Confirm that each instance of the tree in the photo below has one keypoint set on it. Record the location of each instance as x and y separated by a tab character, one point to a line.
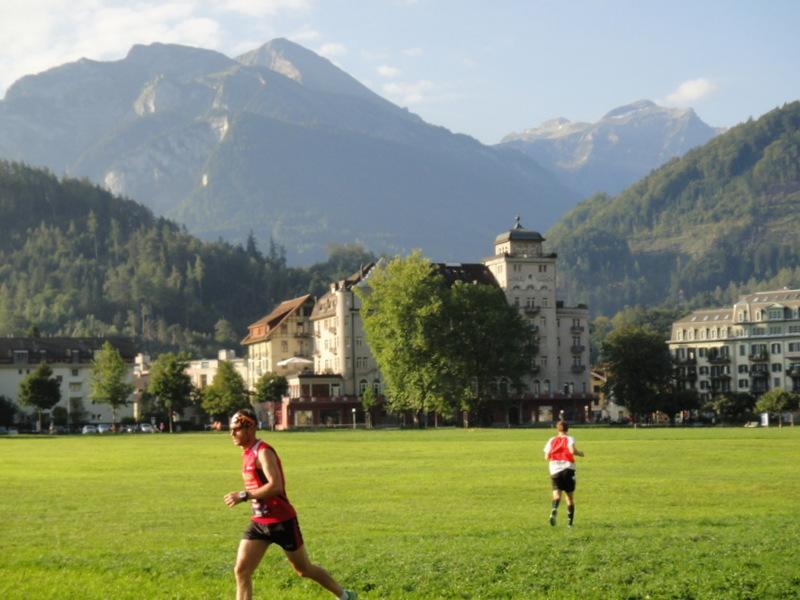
8	411
490	342
777	401
270	388
731	406
369	402
171	384
109	372
40	390
227	392
639	369
678	400
406	328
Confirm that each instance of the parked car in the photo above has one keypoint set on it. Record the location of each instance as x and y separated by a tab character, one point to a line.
3	430
103	428
129	428
89	429
146	428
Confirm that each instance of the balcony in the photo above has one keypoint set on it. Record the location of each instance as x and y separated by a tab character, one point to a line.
532	310
578	349
761	357
576	329
578	368
719	360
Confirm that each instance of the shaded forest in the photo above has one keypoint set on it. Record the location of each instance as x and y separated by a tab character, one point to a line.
77	261
720	221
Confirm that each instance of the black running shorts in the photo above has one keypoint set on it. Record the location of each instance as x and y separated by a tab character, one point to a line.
286	533
564	480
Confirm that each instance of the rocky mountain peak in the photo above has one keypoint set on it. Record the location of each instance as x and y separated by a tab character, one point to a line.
616	151
306	68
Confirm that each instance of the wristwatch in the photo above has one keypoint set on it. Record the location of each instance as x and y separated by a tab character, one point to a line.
243	496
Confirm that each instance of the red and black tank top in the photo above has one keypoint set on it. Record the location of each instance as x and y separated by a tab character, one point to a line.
267	510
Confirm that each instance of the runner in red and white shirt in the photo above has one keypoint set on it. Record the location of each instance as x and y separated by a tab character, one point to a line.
274	519
561	453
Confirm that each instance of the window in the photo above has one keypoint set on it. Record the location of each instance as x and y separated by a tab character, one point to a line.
743	368
744	383
776	348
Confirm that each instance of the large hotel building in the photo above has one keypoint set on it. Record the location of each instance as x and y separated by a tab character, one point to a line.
321	348
752	346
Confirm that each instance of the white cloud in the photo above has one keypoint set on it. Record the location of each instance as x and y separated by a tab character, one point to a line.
689	92
40	34
414	52
410	93
262	8
388	72
330	50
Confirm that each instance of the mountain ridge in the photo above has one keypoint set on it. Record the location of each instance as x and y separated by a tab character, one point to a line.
616	151
154	125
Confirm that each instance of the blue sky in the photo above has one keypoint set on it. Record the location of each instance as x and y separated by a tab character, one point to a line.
480	67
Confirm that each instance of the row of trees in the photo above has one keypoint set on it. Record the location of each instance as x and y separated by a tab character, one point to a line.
41	391
640	378
170	391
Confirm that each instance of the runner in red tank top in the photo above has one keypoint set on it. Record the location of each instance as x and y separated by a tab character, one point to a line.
561	453
274	519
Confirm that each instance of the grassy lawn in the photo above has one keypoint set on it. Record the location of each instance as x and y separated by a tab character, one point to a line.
661	513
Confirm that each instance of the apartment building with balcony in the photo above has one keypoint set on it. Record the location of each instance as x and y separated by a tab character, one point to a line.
560	383
70	360
280	343
752	346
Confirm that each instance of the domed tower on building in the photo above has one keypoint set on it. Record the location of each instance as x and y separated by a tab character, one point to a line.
560	370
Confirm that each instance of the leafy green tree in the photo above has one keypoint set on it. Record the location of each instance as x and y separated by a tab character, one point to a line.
638	369
489	342
777	401
369	402
406	326
676	401
40	390
109	373
270	388
171	384
731	406
8	410
227	393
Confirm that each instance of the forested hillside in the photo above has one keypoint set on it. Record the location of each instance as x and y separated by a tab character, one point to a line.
77	261
723	219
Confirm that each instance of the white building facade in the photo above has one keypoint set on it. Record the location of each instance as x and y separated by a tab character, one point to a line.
752	346
70	360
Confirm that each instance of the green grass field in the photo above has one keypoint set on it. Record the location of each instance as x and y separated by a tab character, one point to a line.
661	513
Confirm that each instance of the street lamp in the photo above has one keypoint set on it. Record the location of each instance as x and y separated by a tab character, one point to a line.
354	417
